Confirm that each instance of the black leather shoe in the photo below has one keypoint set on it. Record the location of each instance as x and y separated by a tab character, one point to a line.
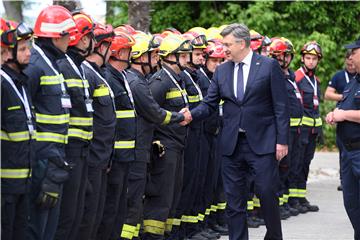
292	211
310	208
339	188
220	229
251	223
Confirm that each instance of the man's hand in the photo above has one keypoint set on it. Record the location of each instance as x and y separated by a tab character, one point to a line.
281	151
338	115
187	116
330	118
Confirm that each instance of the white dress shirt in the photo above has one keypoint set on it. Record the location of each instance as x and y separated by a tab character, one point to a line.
246	70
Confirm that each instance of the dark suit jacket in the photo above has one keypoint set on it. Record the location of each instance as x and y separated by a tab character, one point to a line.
263	112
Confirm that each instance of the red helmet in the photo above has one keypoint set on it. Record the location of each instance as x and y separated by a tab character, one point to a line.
84	24
127	28
255	40
277	47
214	49
169	31
312	48
121	40
8	36
54	22
103	33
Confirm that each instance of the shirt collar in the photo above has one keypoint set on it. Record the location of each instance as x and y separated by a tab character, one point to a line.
247	59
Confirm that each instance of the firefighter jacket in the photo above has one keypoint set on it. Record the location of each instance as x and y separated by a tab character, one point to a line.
309	86
193	90
212	123
295	101
16	140
125	133
104	121
81	116
148	110
169	92
50	98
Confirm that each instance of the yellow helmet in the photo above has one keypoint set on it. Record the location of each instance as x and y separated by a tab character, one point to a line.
143	43
213	33
198	30
172	44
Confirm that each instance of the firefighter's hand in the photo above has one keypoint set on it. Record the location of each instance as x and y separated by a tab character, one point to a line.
159	148
187	116
48	196
281	151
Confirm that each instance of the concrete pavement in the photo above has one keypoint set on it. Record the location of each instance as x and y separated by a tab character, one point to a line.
331	222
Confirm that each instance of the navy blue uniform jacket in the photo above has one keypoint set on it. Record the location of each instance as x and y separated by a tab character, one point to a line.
263	112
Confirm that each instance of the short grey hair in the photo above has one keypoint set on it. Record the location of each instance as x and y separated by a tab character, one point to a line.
239	31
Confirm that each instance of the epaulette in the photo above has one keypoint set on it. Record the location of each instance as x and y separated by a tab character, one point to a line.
299	75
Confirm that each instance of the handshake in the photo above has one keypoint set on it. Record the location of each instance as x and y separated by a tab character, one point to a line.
187	116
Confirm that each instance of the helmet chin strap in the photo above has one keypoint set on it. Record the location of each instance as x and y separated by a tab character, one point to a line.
175	63
103	57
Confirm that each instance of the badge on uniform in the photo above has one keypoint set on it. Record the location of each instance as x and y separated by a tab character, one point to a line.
88	104
30	127
65	101
316	101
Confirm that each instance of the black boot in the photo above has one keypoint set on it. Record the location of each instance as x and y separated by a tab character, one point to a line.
296	204
292	211
284	214
220	229
310	208
251	223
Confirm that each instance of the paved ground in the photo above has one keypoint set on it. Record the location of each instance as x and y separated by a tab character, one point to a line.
331	222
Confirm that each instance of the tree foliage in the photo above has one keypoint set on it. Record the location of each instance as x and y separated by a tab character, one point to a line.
331	23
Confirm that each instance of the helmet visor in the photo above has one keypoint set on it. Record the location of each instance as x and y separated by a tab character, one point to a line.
23	31
154	43
184	47
199	41
313	46
8	38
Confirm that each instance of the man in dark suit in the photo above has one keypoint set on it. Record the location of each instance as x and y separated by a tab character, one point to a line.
255	132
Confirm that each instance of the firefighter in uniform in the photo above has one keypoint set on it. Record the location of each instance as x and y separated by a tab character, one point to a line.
335	89
166	171
124	147
104	120
309	86
51	100
346	116
214	56
80	127
149	113
17	131
283	51
185	209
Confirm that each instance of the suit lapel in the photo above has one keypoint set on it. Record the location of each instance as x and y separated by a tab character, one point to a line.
254	68
230	79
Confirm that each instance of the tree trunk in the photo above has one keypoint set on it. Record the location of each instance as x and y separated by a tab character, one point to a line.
139	15
13	10
69	5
